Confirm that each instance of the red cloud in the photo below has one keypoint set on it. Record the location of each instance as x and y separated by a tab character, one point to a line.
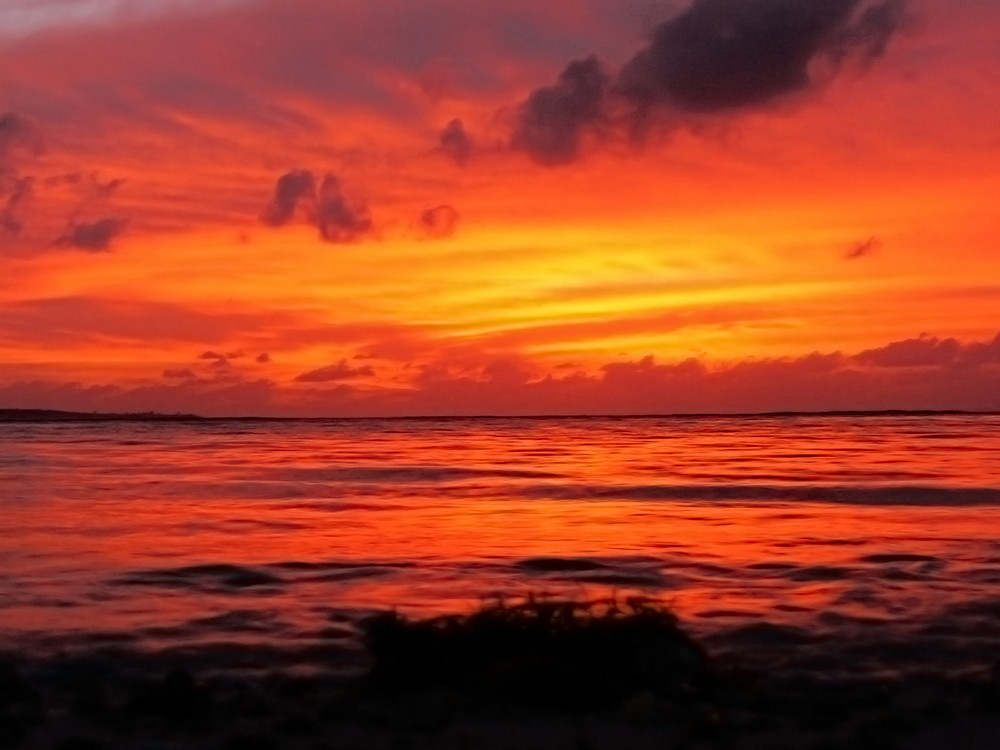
339	371
512	386
928	351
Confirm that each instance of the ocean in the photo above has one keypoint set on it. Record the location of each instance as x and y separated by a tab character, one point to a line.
848	544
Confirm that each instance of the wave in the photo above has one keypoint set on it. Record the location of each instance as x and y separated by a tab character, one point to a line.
634	572
923	495
399	474
227	577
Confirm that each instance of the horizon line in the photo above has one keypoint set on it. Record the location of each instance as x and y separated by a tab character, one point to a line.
17	414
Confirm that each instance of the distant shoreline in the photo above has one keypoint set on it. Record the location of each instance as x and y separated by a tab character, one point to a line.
55	415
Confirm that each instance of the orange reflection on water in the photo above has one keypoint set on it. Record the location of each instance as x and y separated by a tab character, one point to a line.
141	527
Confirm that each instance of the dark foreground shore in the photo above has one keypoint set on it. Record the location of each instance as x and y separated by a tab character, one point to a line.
175	710
540	675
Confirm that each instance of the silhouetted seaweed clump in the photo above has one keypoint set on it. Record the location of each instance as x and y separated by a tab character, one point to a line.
546	653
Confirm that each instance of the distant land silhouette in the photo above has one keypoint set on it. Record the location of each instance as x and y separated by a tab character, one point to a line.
52	415
55	415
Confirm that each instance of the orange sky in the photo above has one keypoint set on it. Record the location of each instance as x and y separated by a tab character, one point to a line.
443	207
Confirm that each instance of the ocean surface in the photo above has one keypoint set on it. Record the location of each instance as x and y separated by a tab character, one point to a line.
843	544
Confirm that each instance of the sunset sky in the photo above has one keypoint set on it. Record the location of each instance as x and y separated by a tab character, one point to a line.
419	207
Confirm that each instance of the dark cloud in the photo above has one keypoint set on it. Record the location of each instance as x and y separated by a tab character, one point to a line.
861	249
456	143
340	371
438	222
725	54
20	193
263	358
553	121
292	189
717	56
18	136
323	205
104	190
217	359
870	36
17	133
93	236
339	219
88	225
